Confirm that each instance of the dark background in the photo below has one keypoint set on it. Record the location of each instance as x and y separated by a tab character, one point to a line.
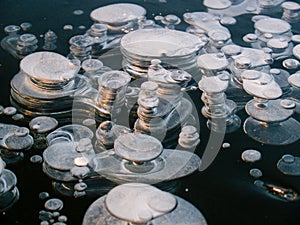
224	192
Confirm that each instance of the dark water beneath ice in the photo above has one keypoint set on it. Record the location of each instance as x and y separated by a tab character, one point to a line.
224	192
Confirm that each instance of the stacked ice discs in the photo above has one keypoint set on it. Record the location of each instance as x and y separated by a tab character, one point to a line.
174	48
46	85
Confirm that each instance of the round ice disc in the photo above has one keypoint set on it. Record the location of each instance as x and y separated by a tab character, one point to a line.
296	51
61	155
281	77
114	79
294	80
48	67
272	26
288	5
277	44
217	4
212	84
158	43
76	131
18	140
115	14
251	155
10	180
289	165
7	128
296	38
54	204
231	50
285	133
2	165
137	147
273	112
219	35
260	85
144	201
43	124
213	61
183	213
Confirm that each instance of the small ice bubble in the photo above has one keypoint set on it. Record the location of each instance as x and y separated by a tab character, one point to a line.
291	64
250	9
78	194
251	155
288	158
256	173
226	145
62	218
26	26
10	111
68	27
81	161
81	27
80	186
78	12
54	204
18	117
228	20
80	172
44	195
259	183
56	214
45	215
89	122
296	38
36	159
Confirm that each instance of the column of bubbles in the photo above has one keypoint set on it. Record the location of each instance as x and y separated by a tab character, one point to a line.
171	84
81	47
93	69
151	112
98	32
189	138
112	88
50	39
219	110
291	14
